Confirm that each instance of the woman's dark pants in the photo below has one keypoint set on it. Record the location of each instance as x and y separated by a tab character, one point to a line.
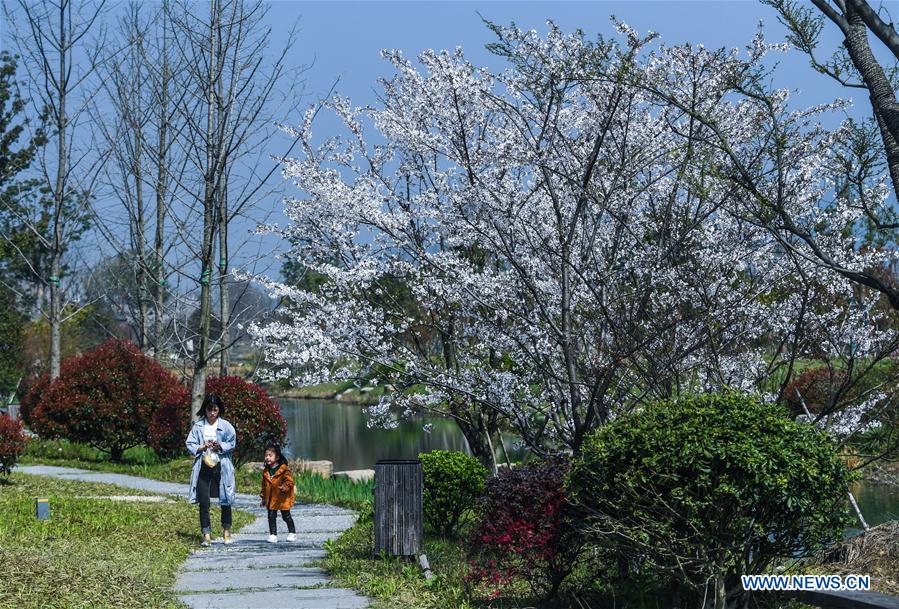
273	521
207	488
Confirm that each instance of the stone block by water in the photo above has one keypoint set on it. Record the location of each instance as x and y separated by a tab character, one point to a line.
356	475
325	468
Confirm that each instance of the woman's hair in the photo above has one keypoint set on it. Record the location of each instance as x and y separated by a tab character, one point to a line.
282	460
211	399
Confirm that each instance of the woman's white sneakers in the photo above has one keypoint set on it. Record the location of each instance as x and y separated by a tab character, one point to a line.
291	537
272	539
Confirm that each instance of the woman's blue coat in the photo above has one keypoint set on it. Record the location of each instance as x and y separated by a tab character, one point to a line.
227	438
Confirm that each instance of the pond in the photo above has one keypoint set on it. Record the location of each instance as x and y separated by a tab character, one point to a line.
332	430
877	502
338	432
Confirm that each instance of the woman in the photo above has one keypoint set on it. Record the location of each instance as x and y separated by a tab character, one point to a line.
211	441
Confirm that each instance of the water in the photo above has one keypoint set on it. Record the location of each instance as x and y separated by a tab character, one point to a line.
332	430
337	432
877	502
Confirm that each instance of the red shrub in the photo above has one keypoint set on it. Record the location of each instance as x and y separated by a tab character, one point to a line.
31	390
12	443
169	425
105	398
818	387
524	530
255	416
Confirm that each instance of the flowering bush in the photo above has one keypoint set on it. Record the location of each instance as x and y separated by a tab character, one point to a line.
524	530
169	425
104	398
452	483
12	443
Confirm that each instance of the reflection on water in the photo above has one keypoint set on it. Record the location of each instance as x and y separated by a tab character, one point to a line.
877	502
327	429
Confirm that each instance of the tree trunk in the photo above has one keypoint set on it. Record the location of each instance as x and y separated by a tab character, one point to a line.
224	301
224	305
115	454
720	593
161	190
55	312
478	444
198	386
140	240
881	93
59	200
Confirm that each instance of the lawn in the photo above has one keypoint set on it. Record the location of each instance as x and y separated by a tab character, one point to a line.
93	552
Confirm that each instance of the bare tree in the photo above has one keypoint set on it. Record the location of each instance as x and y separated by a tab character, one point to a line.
230	90
59	43
140	134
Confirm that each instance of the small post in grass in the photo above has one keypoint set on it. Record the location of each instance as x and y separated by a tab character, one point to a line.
42	508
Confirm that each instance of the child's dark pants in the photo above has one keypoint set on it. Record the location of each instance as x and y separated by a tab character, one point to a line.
208	487
273	521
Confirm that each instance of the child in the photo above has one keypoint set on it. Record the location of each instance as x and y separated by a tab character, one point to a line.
277	492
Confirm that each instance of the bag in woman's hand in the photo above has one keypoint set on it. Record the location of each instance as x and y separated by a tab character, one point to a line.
211	458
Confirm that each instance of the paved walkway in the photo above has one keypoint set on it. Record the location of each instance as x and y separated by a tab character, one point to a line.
250	573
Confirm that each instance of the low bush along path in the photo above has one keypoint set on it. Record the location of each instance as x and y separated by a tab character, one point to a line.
250	573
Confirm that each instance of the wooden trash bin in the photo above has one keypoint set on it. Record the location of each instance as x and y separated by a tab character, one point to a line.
398	507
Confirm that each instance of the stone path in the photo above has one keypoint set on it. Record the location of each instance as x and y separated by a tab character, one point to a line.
250	573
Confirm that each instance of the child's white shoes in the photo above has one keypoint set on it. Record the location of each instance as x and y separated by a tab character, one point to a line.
291	537
273	539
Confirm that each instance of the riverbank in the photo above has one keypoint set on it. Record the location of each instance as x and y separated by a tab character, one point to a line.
883	473
346	393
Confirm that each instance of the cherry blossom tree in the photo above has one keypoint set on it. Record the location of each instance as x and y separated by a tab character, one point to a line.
551	245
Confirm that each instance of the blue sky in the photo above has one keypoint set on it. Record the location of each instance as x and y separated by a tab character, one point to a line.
344	38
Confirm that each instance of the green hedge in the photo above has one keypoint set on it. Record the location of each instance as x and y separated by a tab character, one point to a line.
452	483
707	488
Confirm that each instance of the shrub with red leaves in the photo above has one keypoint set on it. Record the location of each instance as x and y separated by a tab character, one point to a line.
525	531
31	390
169	425
12	443
105	398
255	416
818	387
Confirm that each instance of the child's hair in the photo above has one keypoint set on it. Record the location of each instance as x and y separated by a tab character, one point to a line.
282	460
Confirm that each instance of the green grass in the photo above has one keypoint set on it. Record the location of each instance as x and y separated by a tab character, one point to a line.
92	553
138	461
394	583
141	461
312	488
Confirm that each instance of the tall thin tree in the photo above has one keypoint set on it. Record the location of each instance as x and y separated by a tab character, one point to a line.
60	45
